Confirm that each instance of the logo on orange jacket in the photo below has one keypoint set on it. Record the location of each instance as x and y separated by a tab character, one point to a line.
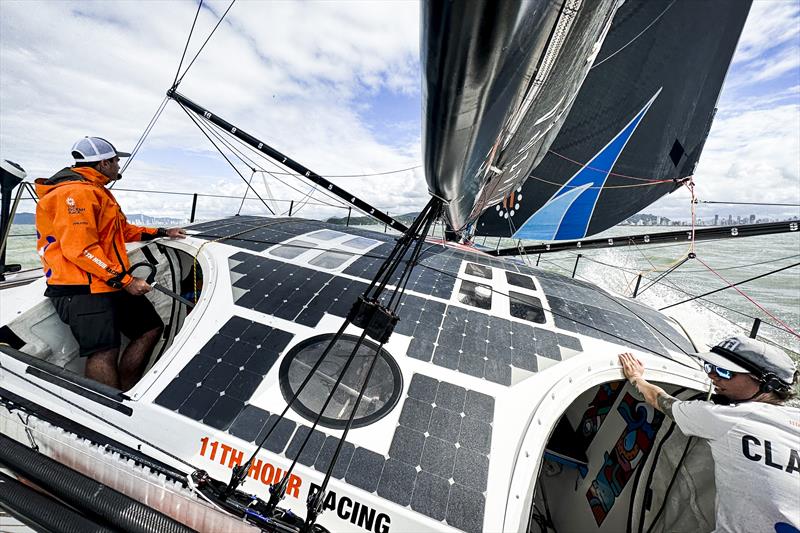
71	207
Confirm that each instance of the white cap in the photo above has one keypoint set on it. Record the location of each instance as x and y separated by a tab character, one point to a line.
94	149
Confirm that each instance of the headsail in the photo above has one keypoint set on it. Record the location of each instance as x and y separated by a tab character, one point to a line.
498	80
637	125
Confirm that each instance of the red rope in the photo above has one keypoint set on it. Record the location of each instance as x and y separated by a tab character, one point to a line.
776	319
652	180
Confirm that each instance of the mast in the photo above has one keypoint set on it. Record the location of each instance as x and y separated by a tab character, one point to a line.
271	152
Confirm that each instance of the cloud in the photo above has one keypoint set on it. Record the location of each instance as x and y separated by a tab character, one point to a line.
292	74
303	77
770	24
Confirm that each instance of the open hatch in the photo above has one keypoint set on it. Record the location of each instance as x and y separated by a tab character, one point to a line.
615	464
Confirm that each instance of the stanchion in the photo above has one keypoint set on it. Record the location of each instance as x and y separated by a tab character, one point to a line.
575	268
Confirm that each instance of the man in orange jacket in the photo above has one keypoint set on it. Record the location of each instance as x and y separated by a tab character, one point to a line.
81	234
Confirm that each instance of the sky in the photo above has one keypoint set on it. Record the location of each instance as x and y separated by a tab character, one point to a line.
335	86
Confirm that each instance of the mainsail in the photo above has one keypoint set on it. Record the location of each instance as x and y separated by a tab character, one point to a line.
637	126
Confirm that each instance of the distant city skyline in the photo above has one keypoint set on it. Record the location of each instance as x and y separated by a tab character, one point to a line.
648	219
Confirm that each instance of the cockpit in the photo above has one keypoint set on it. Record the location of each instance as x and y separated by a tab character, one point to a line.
38	332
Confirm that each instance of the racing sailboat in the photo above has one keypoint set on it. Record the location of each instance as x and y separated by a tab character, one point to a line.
330	378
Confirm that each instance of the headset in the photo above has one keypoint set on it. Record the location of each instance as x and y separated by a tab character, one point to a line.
768	381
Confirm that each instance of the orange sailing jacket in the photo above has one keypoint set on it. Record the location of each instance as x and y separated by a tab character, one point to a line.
81	234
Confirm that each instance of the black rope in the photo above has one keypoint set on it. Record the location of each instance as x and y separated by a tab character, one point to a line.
315	502
632	271
240	472
730	286
186	47
212	128
142	138
665	273
244	196
704	302
278	490
600	291
204	44
226	157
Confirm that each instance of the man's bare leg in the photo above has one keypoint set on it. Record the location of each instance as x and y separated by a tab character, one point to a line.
102	367
135	357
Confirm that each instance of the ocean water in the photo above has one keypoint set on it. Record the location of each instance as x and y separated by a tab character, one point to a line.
724	313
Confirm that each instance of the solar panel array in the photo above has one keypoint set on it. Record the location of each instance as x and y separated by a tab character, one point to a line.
217	383
584	308
438	461
482	345
258	233
437	464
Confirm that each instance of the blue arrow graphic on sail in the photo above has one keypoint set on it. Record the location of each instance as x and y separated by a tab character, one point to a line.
567	213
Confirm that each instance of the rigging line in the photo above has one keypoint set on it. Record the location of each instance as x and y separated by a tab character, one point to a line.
212	128
733	285
745	328
749	203
736	267
664	274
239	472
564	185
654	268
629	341
315	506
693	205
186	47
637	315
634	38
323	190
304	201
226	157
615	174
413	260
363	175
705	304
103	420
311	190
140	142
278	490
204	44
249	186
776	319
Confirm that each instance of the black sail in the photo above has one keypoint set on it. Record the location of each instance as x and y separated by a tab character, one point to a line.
637	126
498	79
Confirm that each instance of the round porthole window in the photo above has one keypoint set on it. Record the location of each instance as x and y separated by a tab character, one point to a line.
381	393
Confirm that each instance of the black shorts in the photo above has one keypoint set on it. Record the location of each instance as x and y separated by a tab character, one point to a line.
96	320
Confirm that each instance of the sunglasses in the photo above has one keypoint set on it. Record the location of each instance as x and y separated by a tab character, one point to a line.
721	372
